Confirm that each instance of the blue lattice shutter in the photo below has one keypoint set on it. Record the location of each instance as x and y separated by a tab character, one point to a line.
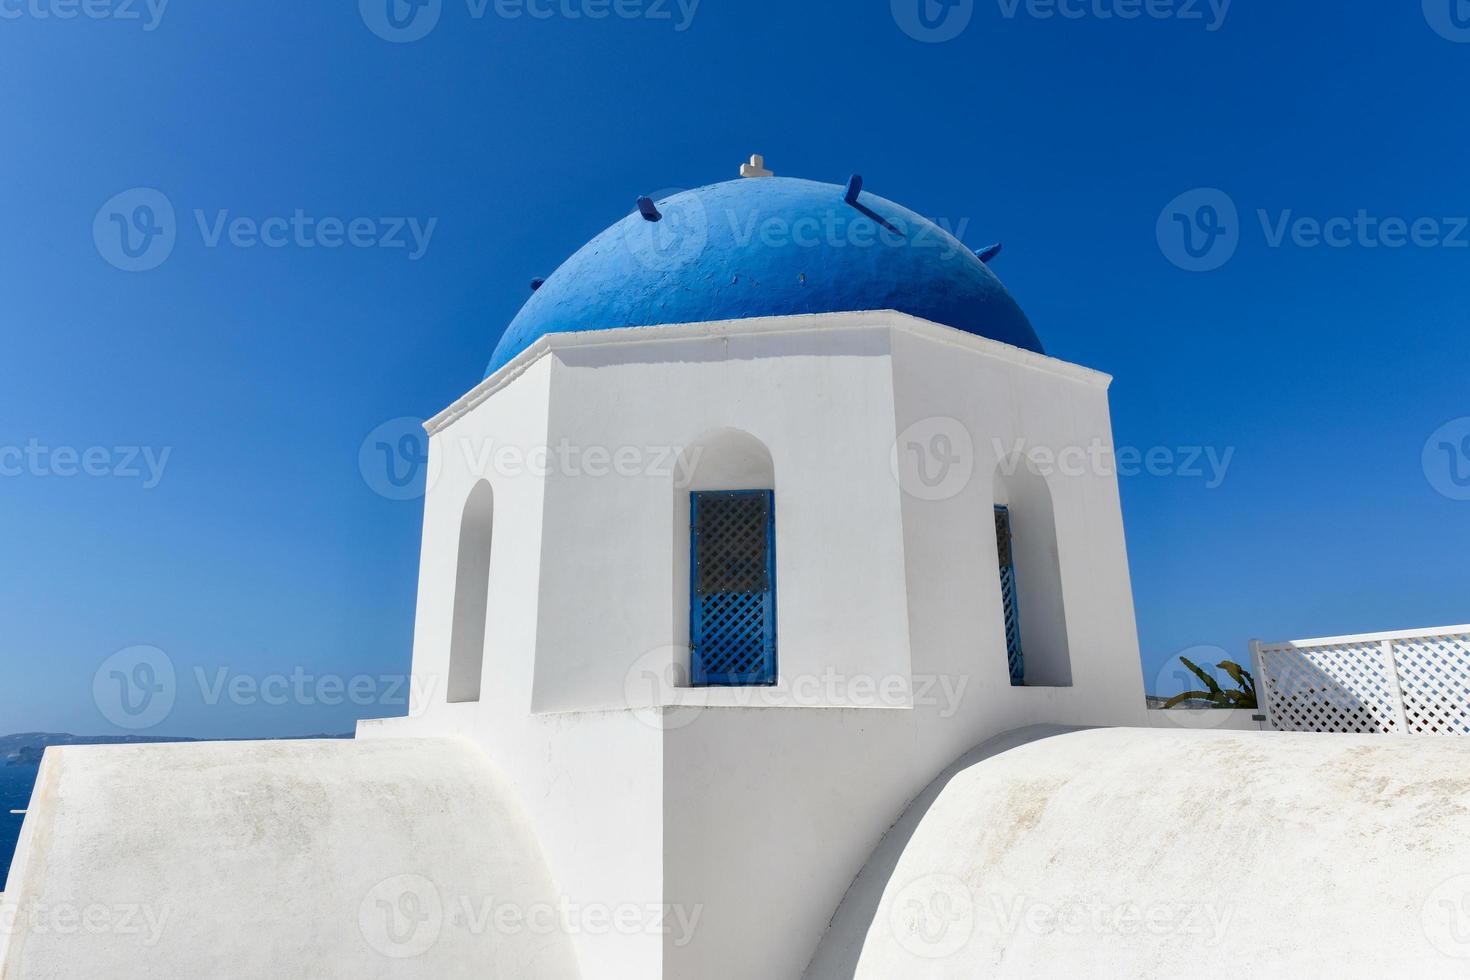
1009	602
732	614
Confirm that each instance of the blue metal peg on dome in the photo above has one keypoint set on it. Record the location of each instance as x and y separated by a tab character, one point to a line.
988	253
646	208
537	283
854	188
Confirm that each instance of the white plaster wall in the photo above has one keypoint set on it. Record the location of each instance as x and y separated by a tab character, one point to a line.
590	783
614	585
1000	396
769	814
830	782
892	662
459	457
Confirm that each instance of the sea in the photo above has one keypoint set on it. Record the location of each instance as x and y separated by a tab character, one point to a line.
15	794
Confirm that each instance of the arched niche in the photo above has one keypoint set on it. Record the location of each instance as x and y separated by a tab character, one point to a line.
471	596
721	461
1035	552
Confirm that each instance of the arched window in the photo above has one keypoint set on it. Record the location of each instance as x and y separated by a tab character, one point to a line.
728	506
471	596
1029	571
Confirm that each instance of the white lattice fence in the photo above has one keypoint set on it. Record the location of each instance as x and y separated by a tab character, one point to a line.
1434	675
1414	682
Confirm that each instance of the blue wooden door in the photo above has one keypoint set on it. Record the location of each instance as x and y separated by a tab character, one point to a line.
732	584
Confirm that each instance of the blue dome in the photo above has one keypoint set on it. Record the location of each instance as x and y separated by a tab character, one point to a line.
768	246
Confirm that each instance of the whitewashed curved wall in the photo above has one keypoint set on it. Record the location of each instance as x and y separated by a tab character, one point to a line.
325	859
1153	854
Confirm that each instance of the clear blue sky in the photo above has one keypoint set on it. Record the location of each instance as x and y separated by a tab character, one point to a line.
261	370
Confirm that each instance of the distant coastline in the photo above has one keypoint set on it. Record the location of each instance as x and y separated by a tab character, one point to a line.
26	748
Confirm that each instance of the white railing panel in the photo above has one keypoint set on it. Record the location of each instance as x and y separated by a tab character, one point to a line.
1329	687
1414	682
1434	676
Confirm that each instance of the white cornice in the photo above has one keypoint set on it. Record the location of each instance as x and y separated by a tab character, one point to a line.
771	325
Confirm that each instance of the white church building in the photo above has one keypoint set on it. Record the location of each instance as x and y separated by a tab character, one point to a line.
768	638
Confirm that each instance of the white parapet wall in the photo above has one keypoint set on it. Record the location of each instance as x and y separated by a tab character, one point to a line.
1412	682
322	859
1205	719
